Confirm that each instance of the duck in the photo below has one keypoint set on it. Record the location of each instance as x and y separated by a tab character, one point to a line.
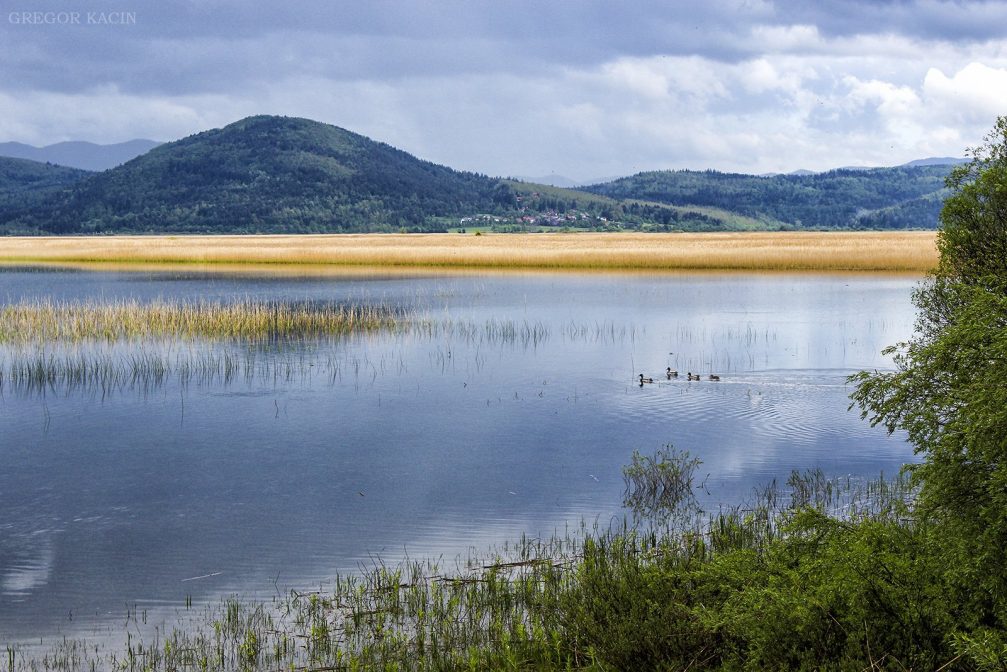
692	376
714	377
645	380
671	373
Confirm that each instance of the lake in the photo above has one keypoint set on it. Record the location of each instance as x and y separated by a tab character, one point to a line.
512	411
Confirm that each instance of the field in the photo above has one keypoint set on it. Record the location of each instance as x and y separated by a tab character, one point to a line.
806	251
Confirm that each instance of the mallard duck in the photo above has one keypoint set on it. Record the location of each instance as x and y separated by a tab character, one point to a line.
692	376
671	374
645	380
713	377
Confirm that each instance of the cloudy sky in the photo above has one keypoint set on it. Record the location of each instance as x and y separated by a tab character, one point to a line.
581	88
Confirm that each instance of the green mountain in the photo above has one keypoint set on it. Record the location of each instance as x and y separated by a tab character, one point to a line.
890	198
265	173
288	175
26	186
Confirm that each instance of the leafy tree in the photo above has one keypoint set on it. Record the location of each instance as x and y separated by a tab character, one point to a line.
949	392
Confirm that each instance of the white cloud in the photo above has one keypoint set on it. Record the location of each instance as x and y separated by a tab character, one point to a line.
664	78
778	39
761	76
976	92
104	115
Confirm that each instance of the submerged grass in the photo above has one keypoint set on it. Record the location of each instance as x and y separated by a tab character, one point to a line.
784	251
78	321
104	372
138	356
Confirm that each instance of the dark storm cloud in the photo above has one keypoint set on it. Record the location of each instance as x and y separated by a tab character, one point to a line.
928	20
581	87
192	47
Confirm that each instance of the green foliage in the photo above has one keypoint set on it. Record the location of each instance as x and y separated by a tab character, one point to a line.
902	197
973	236
632	604
948	393
817	592
986	648
834	594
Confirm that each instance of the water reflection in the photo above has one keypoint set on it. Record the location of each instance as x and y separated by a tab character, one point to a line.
507	407
146	366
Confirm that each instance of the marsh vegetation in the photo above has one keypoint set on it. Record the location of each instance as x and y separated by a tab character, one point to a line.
805	251
677	587
62	322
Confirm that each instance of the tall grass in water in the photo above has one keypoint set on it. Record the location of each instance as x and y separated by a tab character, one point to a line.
48	321
34	365
113	370
779	583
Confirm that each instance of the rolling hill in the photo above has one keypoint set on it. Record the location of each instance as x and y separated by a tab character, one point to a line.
897	198
288	175
261	174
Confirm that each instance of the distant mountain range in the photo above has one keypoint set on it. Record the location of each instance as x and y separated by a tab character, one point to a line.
83	155
937	161
901	197
280	174
554	180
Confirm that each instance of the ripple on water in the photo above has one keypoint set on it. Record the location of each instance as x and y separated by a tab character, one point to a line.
30	566
766	405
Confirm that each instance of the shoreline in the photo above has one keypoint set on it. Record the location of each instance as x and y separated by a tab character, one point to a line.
652	252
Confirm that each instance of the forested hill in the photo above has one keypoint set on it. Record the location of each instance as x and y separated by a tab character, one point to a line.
266	173
890	198
23	175
26	185
289	175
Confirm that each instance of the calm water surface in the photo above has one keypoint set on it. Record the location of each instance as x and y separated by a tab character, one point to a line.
513	414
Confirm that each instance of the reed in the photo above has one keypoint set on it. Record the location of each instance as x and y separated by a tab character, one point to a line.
93	360
49	321
777	251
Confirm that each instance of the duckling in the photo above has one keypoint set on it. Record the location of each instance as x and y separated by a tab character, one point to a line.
645	380
713	377
671	374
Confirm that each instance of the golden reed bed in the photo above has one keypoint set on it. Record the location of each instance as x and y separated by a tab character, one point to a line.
860	251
